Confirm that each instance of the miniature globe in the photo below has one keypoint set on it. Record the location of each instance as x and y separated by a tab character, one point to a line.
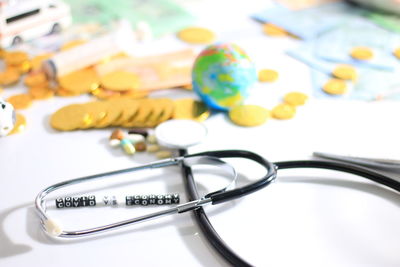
222	75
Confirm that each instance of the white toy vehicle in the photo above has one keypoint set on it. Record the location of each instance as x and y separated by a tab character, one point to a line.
22	20
7	118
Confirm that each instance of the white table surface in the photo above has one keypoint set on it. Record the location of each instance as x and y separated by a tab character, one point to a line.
297	221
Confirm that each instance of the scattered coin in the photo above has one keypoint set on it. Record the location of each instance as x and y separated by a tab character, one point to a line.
36	62
20	124
120	81
196	35
268	75
41	93
9	77
273	30
345	72
249	115
335	87
35	79
15	58
283	111
362	53
396	52
81	81
295	98
20	101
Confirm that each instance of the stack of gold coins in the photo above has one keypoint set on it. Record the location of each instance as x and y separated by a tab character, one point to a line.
124	112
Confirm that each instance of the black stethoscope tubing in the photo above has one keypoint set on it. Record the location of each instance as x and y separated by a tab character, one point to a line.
210	233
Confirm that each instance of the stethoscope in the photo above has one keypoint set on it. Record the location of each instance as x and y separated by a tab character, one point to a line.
196	202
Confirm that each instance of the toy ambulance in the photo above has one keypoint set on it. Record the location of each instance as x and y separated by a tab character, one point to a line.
22	20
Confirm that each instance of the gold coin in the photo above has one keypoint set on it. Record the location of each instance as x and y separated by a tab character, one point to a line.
15	58
188	108
9	77
144	112
135	94
187	87
295	98
267	75
72	44
119	81
345	72
168	110
24	67
21	101
249	115
40	93
65	93
36	62
362	53
162	111
283	111
396	52
81	81
101	93
196	35
96	111
69	118
335	87
273	30
128	108
35	79
113	112
20	124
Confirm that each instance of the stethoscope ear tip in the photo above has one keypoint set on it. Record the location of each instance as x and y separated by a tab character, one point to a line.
52	227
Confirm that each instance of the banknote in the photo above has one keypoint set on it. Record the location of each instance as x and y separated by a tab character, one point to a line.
301	4
311	22
335	45
163	16
371	85
387	21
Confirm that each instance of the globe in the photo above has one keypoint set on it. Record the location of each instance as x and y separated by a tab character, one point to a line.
222	75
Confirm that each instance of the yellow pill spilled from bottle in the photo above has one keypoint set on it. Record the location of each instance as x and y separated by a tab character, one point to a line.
283	112
295	98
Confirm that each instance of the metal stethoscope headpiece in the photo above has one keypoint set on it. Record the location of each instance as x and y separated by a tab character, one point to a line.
212	158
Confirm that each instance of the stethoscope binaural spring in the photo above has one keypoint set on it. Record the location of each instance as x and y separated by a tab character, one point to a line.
212	158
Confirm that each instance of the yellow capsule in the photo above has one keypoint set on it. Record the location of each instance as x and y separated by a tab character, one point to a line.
20	124
362	53
335	87
295	98
197	35
268	75
128	147
249	115
345	72
283	112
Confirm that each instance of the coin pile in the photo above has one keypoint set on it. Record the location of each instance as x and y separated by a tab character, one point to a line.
125	112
